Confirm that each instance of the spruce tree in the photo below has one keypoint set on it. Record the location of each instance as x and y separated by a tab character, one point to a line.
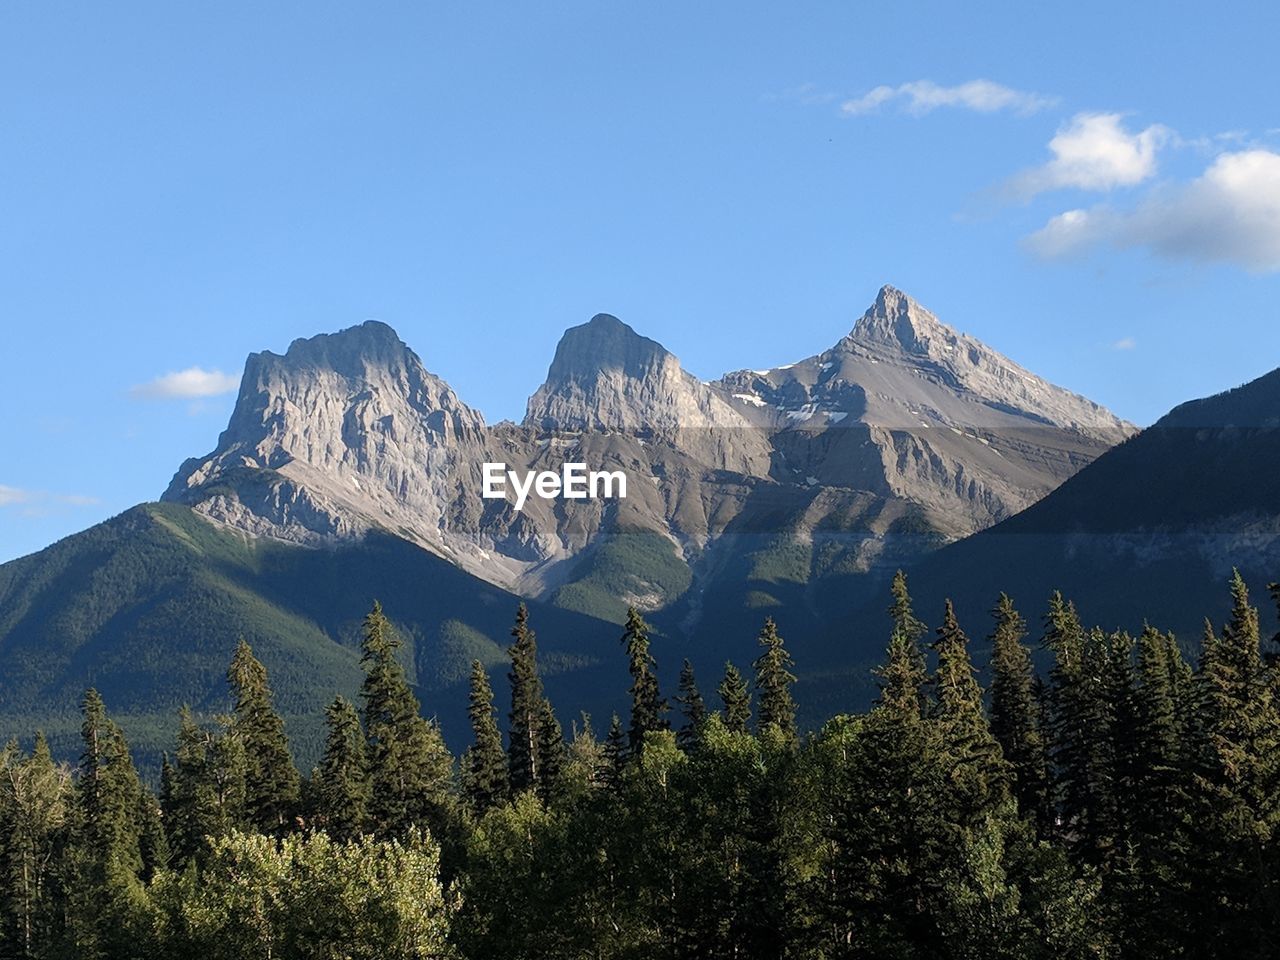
692	706
1274	590
615	751
551	750
106	859
341	788
109	793
903	677
484	765
891	828
736	699
1016	714
976	769
1162	824
152	841
410	768
526	706
206	787
647	705
1119	694
1240	786
271	779
1081	733
775	706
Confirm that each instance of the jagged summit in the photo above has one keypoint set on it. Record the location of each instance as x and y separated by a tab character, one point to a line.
607	377
897	319
604	343
903	368
346	351
349	432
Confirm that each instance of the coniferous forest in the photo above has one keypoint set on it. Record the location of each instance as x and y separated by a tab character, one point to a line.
1106	796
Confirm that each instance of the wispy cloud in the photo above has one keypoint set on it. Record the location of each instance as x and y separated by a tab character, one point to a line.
1094	151
185	384
924	96
1229	214
807	94
1124	343
32	499
12	495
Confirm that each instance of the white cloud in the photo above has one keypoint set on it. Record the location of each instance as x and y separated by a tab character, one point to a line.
1124	343
192	382
14	496
11	495
1230	214
1094	152
923	96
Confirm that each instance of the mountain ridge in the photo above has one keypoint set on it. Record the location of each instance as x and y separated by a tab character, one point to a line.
347	433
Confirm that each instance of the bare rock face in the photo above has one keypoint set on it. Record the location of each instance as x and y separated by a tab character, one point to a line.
607	378
344	433
903	424
919	411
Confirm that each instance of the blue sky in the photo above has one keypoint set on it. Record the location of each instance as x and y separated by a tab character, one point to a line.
1094	190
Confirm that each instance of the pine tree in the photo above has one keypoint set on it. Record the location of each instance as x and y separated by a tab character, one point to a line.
206	787
109	794
1240	786
1119	694
271	779
647	706
1162	822
551	749
1081	739
1015	715
1274	590
106	859
342	779
615	750
773	680
976	769
484	766
903	677
692	706
409	766
736	699
890	830
526	706
153	844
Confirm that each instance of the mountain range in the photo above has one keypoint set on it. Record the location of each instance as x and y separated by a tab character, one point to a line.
348	471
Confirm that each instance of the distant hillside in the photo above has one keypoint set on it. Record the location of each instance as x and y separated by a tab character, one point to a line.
147	607
1151	528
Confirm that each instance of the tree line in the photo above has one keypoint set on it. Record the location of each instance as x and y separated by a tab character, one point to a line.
1124	802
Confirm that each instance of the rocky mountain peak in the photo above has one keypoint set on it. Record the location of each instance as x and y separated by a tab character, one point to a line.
605	343
350	352
607	378
897	320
